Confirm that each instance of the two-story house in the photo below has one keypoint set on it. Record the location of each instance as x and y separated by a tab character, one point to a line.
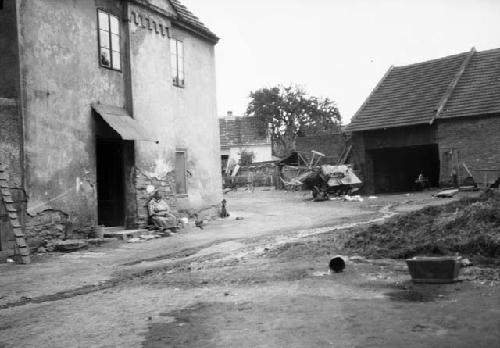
101	103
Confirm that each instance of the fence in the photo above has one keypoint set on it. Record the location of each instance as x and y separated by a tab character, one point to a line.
256	174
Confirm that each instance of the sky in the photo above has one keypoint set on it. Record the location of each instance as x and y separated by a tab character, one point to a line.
338	49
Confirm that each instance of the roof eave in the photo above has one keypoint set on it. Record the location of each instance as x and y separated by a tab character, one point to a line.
367	128
370	95
212	38
177	20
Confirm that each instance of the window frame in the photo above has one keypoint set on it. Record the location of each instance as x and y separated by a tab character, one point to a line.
184	151
175	78
110	38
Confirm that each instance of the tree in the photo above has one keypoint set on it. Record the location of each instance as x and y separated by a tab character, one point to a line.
289	112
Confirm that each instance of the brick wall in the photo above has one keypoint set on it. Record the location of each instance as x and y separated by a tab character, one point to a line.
361	162
474	141
331	145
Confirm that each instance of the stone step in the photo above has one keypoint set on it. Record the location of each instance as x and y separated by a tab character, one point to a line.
8	199
113	229
70	245
18	232
124	234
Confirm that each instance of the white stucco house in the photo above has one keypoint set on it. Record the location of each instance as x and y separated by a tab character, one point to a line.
241	141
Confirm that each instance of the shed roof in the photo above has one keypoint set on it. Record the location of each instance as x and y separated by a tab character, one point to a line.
464	84
119	120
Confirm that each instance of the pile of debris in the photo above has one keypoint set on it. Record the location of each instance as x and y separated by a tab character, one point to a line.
470	226
322	179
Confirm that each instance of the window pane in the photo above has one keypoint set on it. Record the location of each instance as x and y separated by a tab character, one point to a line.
115	42
180	173
104	57
180	49
180	69
173	47
103	20
115	27
104	38
173	62
116	60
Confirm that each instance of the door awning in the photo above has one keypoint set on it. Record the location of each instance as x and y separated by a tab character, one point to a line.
127	127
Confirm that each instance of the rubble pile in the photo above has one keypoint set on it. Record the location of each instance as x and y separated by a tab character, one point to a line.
470	226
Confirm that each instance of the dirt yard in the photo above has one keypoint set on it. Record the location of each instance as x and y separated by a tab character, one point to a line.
259	281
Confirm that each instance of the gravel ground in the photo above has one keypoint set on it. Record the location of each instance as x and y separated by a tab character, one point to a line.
258	282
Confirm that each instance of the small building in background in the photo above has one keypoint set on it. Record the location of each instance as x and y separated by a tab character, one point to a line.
242	142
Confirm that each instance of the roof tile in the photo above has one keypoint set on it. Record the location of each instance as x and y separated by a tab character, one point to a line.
411	94
191	20
240	131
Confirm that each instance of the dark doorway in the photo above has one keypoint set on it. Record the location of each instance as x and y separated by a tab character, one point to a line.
396	169
110	183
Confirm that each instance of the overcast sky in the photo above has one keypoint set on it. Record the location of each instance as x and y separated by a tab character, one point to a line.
335	48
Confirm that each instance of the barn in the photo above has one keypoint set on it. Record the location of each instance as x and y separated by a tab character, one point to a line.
434	118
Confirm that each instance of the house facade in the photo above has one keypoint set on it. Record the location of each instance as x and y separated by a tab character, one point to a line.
438	118
241	141
102	102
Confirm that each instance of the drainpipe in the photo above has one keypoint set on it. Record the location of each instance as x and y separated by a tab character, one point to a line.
21	107
127	71
130	194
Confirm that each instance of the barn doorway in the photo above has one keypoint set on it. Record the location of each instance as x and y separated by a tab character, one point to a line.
110	183
396	169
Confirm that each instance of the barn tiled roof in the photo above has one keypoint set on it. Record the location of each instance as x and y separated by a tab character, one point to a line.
464	84
185	16
478	91
240	131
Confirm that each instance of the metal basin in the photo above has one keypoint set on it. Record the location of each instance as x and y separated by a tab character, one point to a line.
424	269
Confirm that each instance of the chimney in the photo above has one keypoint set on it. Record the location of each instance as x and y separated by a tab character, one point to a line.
230	115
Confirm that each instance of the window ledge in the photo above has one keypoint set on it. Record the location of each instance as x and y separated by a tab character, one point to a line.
107	68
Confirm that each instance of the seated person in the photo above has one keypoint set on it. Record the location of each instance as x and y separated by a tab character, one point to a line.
160	213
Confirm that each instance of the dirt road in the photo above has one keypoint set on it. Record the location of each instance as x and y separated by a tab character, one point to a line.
258	282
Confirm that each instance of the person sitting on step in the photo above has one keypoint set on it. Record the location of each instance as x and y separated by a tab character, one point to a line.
160	213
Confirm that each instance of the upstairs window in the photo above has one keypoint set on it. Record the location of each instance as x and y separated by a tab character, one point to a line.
177	62
109	41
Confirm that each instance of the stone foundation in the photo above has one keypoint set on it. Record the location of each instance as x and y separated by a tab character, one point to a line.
164	185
